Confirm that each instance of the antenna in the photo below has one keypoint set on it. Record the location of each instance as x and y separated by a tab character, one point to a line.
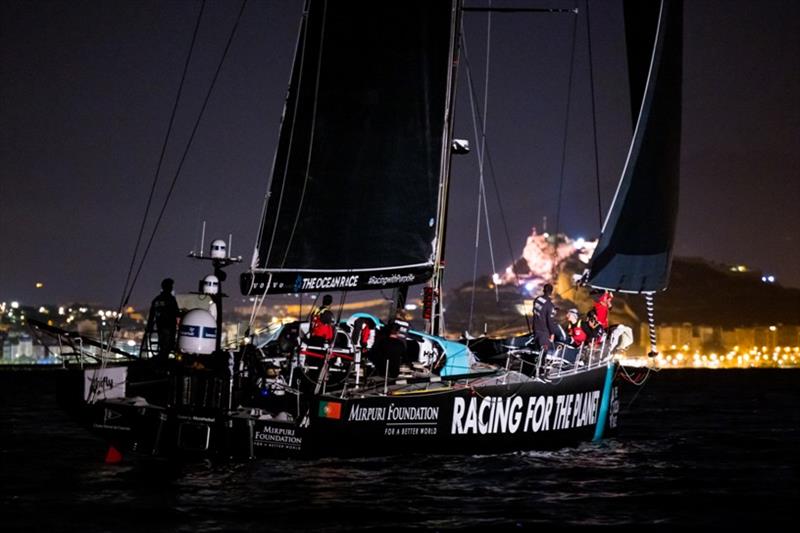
203	239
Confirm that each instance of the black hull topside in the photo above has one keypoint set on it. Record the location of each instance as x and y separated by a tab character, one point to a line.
479	414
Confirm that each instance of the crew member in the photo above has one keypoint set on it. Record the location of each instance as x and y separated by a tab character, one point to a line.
320	329
544	324
602	306
575	334
595	332
164	314
389	349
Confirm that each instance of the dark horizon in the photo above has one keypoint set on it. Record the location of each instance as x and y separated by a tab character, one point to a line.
87	89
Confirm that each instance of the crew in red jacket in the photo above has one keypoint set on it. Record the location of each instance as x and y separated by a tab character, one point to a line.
575	333
602	307
321	326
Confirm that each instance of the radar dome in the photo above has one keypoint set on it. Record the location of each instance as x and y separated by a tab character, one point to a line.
219	250
211	284
198	333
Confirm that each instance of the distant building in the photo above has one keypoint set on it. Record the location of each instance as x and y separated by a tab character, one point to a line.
703	338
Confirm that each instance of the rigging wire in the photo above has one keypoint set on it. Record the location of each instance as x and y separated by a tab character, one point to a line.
487	158
188	146
128	287
123	298
482	206
594	117
564	143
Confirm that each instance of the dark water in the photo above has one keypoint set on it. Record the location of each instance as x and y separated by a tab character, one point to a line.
695	448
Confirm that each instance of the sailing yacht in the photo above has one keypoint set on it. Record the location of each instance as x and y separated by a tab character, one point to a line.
357	201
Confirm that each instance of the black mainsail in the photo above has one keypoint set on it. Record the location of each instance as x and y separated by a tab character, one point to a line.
356	179
635	249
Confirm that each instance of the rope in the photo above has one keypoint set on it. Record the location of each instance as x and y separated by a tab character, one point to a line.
128	286
485	152
594	118
483	145
651	323
188	146
123	299
482	206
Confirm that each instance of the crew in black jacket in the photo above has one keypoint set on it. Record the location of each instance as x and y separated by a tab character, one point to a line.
544	315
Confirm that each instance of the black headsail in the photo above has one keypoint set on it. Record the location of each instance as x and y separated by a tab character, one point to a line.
356	178
635	249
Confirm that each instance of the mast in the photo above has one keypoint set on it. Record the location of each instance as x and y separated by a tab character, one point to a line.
435	325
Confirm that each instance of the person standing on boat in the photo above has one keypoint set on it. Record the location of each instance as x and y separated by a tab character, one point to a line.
544	323
602	306
320	329
389	350
164	313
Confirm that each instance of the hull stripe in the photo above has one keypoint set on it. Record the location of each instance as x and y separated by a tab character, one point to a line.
606	399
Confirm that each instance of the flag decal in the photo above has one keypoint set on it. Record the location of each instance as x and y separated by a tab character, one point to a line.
330	410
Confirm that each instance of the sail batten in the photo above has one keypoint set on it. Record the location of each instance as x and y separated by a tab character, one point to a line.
635	249
357	173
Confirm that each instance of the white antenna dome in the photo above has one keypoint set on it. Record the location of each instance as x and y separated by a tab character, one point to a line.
198	333
211	284
219	250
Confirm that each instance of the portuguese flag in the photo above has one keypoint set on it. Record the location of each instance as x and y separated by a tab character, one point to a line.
330	410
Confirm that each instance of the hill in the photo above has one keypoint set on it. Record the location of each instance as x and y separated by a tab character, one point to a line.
700	292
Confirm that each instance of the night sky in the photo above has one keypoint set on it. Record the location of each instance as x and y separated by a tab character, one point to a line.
87	87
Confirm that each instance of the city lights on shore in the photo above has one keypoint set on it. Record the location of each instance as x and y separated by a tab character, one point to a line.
756	357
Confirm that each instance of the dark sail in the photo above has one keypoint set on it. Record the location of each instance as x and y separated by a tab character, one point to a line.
635	249
641	18
353	196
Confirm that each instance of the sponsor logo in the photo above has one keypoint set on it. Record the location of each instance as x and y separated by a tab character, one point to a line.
330	410
187	330
614	411
326	282
393	413
393	279
102	384
277	437
107	383
110	414
509	415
